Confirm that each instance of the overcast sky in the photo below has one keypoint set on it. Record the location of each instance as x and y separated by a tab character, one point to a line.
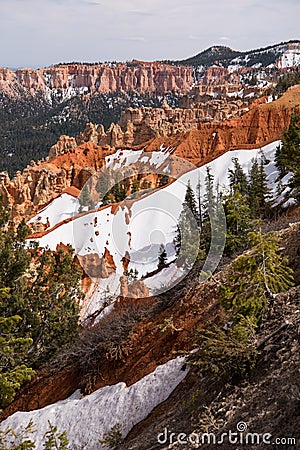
38	33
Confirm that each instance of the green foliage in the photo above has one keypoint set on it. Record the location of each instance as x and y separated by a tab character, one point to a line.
238	221
12	353
113	437
115	189
163	179
210	196
48	302
135	187
9	440
288	153
287	80
256	276
237	179
212	228
224	355
258	190
168	326
39	293
53	440
30	125
187	239
295	183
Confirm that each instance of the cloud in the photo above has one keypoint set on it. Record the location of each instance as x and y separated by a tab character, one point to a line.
137	12
128	38
131	29
224	38
92	3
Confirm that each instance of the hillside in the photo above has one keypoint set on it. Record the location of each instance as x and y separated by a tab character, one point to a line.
150	261
72	161
279	55
38	106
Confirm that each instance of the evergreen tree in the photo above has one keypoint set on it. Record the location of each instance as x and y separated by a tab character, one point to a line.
190	200
238	221
200	206
43	290
237	178
287	156
49	303
210	197
186	239
256	277
210	213
13	350
162	257
135	187
119	192
259	191
295	183
163	180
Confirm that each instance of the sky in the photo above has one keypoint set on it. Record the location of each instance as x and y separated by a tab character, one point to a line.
38	33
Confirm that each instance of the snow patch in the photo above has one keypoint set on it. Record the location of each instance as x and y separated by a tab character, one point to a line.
61	208
88	419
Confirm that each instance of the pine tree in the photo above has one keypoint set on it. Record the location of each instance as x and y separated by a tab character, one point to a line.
210	213
163	179
186	239
295	184
238	221
287	156
13	350
210	197
43	290
51	311
162	257
256	277
135	187
200	206
259	191
237	178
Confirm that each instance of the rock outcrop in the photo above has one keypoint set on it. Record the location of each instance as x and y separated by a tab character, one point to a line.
151	78
39	183
71	164
139	125
262	124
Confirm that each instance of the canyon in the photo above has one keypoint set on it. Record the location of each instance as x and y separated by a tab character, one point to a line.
203	118
72	160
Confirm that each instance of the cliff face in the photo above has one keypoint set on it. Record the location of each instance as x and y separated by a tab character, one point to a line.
262	124
151	78
139	125
39	183
72	161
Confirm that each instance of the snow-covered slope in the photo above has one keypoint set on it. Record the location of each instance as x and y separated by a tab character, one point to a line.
140	227
290	58
61	208
88	419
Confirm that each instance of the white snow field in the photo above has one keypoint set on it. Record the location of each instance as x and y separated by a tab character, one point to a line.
88	419
61	208
140	227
